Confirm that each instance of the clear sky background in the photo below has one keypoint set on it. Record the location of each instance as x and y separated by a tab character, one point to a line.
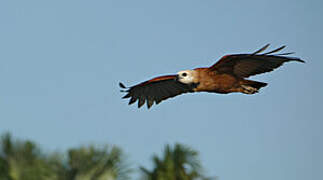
61	61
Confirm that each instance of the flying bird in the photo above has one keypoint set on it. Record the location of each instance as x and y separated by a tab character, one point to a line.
228	75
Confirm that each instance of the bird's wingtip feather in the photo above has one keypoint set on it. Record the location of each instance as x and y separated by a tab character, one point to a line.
300	60
122	85
261	49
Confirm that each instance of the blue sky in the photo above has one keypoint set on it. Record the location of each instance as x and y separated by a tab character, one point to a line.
61	61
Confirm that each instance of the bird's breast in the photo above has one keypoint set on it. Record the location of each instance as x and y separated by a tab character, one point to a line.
213	82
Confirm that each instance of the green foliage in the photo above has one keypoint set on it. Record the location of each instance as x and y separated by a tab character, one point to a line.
4	170
96	163
23	160
178	163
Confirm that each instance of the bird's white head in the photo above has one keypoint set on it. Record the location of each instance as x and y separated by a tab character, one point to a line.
186	76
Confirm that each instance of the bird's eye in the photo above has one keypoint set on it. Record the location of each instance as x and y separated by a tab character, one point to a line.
184	74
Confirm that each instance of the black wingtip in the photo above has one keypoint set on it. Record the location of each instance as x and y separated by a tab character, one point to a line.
126	96
275	50
284	54
122	85
150	102
302	61
261	49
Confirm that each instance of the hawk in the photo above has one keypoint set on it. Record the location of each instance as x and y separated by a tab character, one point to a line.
228	75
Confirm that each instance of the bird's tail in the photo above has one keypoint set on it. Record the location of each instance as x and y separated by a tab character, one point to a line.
251	87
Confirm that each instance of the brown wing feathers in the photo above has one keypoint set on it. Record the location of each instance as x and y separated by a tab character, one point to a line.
245	65
238	65
155	90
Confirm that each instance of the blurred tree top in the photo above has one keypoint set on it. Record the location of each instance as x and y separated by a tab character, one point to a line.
24	160
178	163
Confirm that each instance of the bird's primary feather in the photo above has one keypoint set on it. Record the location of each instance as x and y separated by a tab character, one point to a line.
156	90
225	76
245	65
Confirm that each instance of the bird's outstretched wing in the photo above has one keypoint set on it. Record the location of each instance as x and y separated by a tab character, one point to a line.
245	65
156	90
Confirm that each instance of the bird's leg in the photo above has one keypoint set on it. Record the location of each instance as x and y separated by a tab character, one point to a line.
248	89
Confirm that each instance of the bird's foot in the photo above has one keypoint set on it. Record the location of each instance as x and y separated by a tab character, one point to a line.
248	89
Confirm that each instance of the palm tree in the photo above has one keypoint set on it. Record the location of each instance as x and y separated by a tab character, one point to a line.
92	163
178	163
23	160
4	169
